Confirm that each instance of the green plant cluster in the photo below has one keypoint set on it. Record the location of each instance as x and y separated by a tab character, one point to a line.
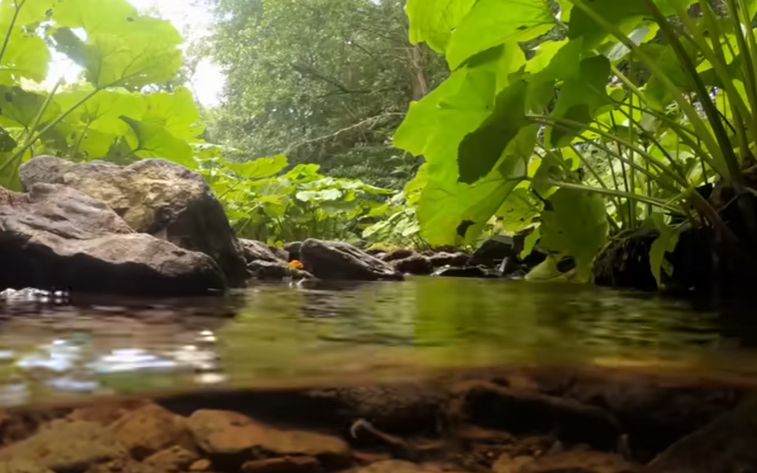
268	201
116	111
586	119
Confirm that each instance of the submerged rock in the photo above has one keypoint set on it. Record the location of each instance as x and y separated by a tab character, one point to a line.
298	464
725	445
578	462
254	250
172	460
231	433
152	196
65	446
22	466
342	261
416	265
491	406
55	237
148	430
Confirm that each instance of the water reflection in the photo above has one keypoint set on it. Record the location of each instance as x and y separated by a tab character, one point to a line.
321	330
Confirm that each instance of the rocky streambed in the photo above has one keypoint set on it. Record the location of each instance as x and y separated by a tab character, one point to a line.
525	421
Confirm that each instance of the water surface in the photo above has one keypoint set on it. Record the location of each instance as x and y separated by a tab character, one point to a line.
275	335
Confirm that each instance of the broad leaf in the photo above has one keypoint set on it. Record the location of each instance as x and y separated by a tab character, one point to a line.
26	56
665	243
574	223
154	141
176	111
19	108
580	99
494	22
434	22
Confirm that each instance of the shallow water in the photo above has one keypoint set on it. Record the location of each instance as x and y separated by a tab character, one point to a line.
325	333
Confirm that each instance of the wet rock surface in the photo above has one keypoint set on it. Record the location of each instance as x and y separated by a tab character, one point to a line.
417	265
494	250
150	429
275	271
342	261
155	197
56	237
254	250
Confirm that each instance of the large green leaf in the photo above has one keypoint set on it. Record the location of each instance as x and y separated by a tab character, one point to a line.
480	150
518	211
574	223
154	141
494	22
104	110
580	99
122	48
25	12
26	56
175	111
258	168
19	108
433	22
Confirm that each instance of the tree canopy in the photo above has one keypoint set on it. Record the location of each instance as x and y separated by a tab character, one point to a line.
323	81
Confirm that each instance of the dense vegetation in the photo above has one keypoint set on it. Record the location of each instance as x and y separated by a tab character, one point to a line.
322	81
580	121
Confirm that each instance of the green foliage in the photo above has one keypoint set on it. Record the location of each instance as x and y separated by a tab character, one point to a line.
266	201
603	113
106	115
323	81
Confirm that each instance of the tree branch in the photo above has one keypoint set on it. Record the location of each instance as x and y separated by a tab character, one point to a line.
368	121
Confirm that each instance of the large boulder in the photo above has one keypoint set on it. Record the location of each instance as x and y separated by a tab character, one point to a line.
153	196
55	237
341	261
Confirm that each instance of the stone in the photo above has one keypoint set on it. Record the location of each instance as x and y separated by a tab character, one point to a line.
397	255
341	261
57	237
727	444
458	259
392	466
417	265
492	406
151	429
493	251
578	462
507	464
466	272
122	465
106	413
280	253
293	250
276	271
653	414
20	425
254	250
64	446
22	466
401	408
282	465
231	433
200	465
401	466
153	196
173	459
